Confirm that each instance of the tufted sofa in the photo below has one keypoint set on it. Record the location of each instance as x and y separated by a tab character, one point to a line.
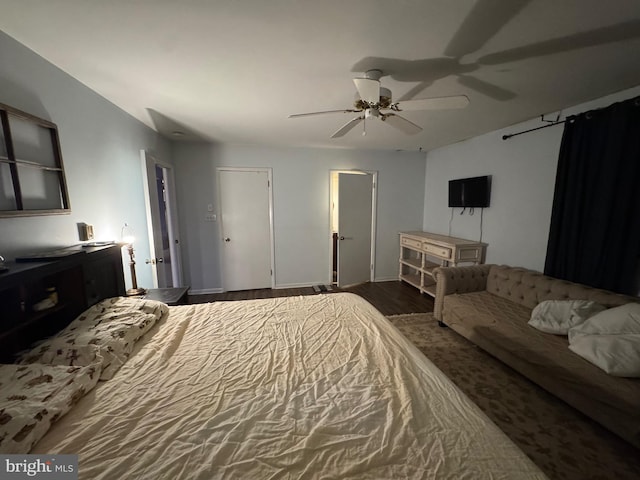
490	305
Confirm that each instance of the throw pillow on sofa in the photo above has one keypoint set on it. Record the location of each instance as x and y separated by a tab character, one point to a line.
610	340
558	316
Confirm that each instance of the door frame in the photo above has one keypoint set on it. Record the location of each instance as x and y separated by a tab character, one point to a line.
269	172
374	215
148	158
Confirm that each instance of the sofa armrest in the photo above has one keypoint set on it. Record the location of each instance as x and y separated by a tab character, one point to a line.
450	280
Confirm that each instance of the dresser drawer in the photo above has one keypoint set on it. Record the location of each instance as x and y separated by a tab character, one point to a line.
472	254
410	242
437	250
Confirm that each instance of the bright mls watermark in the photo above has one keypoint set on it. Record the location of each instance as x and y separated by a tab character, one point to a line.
51	467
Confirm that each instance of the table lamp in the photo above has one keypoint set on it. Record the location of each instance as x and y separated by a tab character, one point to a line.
127	238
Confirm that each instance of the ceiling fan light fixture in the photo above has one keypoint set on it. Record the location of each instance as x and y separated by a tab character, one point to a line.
385	97
384	100
371	113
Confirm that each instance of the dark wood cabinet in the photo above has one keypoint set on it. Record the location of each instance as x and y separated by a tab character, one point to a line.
78	280
103	277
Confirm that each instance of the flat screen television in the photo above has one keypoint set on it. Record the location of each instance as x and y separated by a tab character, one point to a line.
473	192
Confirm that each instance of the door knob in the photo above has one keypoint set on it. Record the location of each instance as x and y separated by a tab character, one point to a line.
346	238
341	238
160	260
227	239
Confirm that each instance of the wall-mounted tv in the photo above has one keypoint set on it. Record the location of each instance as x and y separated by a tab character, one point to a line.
473	192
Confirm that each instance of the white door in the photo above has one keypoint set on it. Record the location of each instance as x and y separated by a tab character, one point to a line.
355	227
162	222
246	227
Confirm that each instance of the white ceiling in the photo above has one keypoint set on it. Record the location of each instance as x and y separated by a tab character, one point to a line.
232	70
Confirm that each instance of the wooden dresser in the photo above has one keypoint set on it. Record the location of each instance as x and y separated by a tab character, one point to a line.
79	280
421	252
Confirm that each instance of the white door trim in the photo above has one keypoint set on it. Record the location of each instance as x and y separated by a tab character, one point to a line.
374	216
269	173
148	160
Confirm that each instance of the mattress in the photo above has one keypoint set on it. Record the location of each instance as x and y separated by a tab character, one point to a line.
318	386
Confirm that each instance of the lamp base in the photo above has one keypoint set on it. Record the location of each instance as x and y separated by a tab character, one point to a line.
136	291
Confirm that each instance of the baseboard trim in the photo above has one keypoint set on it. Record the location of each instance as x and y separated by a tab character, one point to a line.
297	285
208	291
205	291
387	279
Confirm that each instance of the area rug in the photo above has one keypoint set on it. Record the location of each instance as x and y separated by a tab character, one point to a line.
563	443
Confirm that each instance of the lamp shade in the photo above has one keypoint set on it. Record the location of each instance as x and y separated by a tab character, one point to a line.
126	234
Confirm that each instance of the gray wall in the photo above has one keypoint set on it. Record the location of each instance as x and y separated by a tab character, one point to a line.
101	144
101	151
523	169
301	207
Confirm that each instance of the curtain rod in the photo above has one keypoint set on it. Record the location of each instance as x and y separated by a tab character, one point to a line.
636	103
507	137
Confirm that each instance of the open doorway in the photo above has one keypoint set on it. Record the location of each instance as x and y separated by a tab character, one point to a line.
162	222
352	226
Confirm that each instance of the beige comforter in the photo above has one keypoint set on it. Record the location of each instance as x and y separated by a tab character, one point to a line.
301	387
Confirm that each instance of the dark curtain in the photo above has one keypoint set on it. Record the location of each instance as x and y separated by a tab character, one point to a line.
594	236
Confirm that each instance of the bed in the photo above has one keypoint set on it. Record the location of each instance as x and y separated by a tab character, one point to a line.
319	386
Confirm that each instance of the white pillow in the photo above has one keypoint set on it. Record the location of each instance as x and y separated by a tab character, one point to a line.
610	340
622	319
558	316
618	355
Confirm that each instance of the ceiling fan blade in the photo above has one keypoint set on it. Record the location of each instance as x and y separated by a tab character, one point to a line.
368	89
401	123
488	89
485	19
437	103
346	128
296	115
600	36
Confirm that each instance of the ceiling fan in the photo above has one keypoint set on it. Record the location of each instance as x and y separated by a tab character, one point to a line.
374	101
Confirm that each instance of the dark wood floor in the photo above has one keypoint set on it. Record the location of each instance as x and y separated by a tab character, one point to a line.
391	298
